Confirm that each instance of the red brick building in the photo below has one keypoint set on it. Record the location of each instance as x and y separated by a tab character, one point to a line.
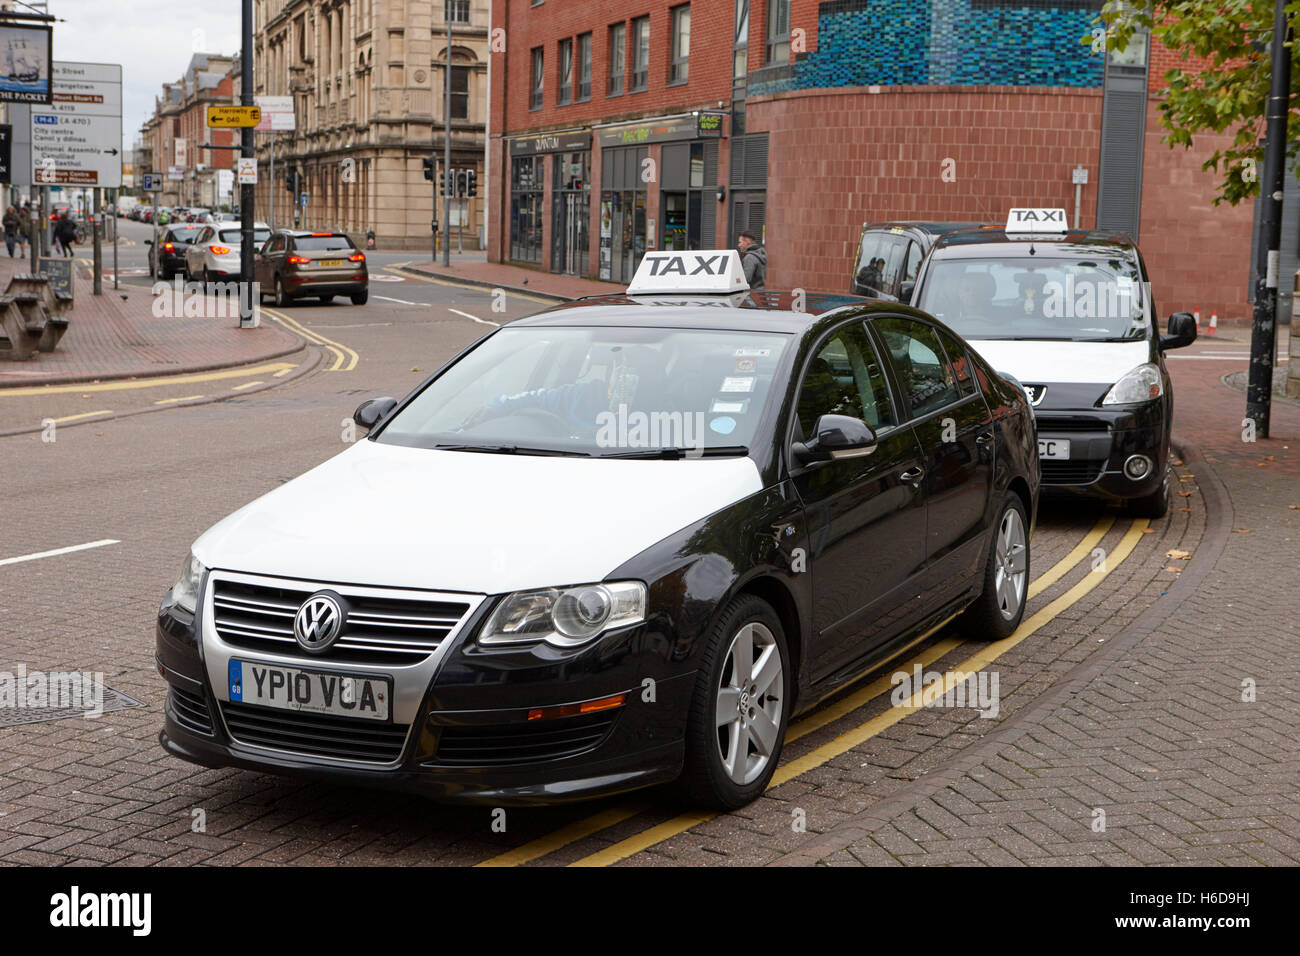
666	124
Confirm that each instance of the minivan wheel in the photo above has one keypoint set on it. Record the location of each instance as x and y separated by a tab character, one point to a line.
996	613
1154	505
740	709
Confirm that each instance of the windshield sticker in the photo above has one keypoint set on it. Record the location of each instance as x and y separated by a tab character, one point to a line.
723	426
746	365
753	353
745	384
735	408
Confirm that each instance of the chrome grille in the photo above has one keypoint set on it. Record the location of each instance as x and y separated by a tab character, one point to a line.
386	631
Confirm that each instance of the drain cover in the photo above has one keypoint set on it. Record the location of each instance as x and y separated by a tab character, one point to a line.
114	700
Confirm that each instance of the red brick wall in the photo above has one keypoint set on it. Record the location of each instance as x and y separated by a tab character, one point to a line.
840	157
1198	254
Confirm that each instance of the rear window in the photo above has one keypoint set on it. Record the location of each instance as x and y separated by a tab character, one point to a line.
186	233
236	235
322	243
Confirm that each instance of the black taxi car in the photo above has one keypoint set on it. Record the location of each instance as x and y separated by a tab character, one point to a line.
614	544
890	253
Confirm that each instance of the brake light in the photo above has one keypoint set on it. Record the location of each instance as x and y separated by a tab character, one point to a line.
219	250
327	235
168	247
357	257
298	260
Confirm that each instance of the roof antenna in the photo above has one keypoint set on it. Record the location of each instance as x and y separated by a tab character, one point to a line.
1031	248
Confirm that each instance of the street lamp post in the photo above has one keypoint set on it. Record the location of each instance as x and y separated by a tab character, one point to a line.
247	319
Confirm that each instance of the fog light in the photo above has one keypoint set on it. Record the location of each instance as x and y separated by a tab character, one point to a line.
1137	467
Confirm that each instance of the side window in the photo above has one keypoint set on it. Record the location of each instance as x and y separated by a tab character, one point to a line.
844	378
868	273
913	262
961	364
892	255
918	359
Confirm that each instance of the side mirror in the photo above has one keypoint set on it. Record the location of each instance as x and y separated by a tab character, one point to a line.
1182	331
905	292
372	412
148	242
838	436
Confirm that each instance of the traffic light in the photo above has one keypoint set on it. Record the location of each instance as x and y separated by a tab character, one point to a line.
471	183
442	183
293	181
427	162
462	182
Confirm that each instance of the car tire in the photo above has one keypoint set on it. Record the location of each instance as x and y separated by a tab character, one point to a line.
360	298
1154	505
998	610
282	298
718	773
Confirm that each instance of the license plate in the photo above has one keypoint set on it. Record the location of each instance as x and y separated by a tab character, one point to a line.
1053	448
290	688
331	263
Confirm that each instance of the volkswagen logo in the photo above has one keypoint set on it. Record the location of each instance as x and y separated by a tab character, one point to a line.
318	622
1036	394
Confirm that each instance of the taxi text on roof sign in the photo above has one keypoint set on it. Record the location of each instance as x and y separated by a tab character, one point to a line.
707	271
1036	220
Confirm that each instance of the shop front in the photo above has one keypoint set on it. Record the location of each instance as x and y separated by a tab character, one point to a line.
569	155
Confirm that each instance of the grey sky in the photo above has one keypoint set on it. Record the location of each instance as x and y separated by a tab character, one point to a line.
152	39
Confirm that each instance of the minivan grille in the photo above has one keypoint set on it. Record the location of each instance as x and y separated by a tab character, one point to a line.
1048	426
523	743
316	735
1070	472
388	631
190	710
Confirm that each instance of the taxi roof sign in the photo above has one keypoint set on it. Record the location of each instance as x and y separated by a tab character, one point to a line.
699	272
1036	220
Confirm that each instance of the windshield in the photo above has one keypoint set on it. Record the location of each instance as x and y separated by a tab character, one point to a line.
234	236
321	243
1095	299
599	392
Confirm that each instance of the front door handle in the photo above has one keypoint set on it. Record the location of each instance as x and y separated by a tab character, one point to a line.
913	474
984	438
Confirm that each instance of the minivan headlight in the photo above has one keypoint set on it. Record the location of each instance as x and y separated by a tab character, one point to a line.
565	617
1140	385
185	592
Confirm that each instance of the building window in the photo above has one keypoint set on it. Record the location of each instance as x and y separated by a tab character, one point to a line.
584	67
640	55
457	11
564	88
617	60
535	99
778	31
681	43
460	92
740	65
526	191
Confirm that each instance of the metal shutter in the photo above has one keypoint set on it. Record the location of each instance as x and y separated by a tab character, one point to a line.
1123	127
709	202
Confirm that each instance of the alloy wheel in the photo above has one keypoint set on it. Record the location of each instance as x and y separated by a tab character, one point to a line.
1010	555
748	703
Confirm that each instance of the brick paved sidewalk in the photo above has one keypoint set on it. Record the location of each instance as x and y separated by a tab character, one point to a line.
1152	730
496	275
116	335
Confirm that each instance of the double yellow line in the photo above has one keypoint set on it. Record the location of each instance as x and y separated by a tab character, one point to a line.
345	359
857	735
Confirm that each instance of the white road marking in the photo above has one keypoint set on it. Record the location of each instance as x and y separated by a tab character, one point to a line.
402	301
57	551
474	317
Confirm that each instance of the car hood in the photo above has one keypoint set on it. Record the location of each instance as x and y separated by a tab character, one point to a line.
1065	362
392	516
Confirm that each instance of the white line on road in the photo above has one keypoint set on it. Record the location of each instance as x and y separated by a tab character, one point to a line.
402	301
57	551
474	317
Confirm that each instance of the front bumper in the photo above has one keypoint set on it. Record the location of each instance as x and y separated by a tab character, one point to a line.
469	739
1101	441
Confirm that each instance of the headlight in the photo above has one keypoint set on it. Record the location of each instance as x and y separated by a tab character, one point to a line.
185	592
565	617
1140	385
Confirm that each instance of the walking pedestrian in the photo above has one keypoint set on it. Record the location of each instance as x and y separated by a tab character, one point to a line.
10	223
754	259
65	231
24	228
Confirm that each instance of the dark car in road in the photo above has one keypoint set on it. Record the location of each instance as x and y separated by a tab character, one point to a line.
168	259
292	264
890	253
615	544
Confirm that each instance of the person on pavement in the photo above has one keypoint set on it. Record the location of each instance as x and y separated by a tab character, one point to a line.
12	229
754	259
65	232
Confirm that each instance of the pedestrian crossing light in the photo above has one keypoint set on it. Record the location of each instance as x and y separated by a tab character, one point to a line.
428	168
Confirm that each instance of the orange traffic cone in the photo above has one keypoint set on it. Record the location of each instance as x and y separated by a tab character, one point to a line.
1214	322
1197	316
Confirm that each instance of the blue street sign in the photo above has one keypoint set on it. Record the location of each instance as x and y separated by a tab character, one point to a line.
303	200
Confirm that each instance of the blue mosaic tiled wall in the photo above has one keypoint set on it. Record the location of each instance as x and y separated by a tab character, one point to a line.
947	42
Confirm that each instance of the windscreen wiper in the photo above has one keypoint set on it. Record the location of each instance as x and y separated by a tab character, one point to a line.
514	450
720	451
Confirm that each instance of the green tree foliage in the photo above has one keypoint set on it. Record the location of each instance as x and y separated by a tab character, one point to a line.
1228	94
